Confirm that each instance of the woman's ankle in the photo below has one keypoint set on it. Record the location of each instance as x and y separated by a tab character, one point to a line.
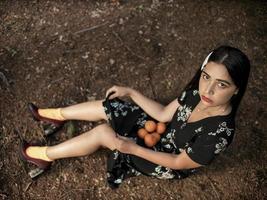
38	152
52	113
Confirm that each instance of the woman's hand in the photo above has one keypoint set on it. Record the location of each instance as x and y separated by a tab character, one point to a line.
125	145
118	91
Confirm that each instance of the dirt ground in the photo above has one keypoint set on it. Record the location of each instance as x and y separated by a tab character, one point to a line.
58	53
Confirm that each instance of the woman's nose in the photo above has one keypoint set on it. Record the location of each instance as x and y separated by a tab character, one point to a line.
210	88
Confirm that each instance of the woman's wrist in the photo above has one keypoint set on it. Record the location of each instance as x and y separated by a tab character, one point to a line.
131	92
136	150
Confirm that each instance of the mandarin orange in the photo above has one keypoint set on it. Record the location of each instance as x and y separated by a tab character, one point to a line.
142	132
156	135
161	127
150	126
150	140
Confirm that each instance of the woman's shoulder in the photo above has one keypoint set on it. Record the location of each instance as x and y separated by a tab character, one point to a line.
220	126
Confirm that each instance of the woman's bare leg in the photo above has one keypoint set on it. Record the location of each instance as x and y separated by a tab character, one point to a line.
84	144
89	111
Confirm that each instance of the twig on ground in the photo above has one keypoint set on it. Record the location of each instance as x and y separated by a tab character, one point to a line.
128	48
90	28
18	133
214	188
72	190
165	190
68	51
27	186
54	81
151	85
4	79
3	195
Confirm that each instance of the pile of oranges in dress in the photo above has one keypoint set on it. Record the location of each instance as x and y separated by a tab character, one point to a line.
151	132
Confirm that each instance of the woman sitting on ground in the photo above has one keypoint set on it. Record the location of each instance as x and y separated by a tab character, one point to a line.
200	124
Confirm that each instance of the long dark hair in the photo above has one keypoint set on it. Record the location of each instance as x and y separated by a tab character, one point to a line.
238	67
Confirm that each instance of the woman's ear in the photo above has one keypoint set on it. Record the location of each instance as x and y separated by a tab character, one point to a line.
236	91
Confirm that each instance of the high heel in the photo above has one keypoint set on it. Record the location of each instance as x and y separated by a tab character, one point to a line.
51	125
42	165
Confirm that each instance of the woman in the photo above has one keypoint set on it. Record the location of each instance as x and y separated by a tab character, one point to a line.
200	124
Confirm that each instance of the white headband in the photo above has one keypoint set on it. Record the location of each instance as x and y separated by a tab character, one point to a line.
206	61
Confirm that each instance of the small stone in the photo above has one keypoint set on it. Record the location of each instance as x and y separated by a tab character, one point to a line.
140	32
220	19
121	21
85	56
111	61
95	14
55	9
147	40
28	77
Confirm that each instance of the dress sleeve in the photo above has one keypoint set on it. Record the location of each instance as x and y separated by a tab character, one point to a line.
206	147
202	150
189	97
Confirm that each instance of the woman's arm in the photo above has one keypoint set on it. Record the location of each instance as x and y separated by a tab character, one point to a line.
173	161
151	107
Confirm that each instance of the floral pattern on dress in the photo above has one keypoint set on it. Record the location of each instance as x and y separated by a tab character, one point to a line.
163	173
222	128
107	113
221	146
142	120
199	130
183	96
195	92
184	113
122	108
168	141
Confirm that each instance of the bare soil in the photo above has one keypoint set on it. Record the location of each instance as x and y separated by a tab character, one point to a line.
58	53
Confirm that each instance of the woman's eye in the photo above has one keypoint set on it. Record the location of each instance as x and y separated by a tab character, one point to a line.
221	85
205	77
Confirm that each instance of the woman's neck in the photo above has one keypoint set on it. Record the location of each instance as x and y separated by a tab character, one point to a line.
214	110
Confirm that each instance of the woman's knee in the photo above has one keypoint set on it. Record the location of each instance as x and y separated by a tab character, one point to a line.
103	127
106	136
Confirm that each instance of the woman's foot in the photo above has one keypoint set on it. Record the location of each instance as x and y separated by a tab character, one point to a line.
52	118
35	155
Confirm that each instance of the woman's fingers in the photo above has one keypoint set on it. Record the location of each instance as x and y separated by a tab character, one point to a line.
125	145
110	93
118	92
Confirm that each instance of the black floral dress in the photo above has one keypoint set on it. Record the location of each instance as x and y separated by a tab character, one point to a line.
202	140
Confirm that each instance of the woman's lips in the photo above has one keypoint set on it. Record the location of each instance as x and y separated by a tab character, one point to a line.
206	99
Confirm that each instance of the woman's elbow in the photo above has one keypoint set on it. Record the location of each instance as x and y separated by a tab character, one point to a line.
182	161
164	119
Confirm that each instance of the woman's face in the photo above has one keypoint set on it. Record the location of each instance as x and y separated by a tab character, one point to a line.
215	85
